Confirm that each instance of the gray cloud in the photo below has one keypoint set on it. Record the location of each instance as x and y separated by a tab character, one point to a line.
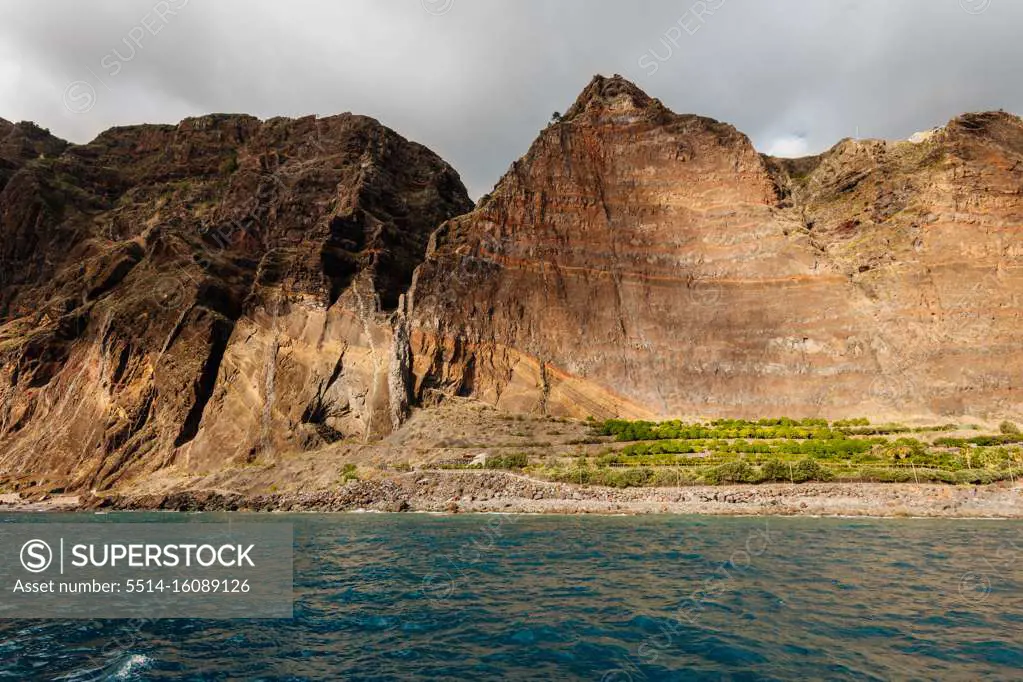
476	79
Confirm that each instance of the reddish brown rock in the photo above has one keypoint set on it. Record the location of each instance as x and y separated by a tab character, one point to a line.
228	291
207	293
643	263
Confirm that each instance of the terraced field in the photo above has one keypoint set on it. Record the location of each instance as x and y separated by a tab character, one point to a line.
643	453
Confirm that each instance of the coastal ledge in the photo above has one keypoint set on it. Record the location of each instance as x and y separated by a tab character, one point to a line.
499	492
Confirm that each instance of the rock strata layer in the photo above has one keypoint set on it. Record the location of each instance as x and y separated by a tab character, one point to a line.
643	263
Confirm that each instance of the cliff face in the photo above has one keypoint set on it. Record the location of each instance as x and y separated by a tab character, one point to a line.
642	263
216	293
21	143
206	293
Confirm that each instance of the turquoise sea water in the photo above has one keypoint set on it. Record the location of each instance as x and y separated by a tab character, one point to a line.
405	597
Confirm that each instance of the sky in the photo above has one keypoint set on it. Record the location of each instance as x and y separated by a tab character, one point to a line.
476	80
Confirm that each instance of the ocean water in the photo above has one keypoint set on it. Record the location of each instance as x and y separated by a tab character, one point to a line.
420	597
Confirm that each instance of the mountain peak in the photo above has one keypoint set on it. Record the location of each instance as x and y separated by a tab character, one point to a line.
24	141
615	95
1000	127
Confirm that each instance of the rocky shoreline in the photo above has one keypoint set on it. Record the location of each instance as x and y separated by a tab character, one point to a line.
496	492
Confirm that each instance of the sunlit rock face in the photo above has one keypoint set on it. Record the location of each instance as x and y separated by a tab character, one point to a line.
638	262
206	294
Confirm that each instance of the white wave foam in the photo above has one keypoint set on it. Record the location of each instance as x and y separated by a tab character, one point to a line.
134	662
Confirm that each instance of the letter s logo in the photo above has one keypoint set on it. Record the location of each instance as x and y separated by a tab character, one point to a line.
36	556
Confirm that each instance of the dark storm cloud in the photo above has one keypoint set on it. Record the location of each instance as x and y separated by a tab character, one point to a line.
476	79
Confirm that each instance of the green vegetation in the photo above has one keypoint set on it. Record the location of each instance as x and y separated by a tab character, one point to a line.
764	429
625	431
518	460
729	451
774	471
982	441
602	476
837	447
731	472
890	429
788	450
229	165
349	473
511	462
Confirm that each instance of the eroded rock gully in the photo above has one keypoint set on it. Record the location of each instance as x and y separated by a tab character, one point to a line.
205	294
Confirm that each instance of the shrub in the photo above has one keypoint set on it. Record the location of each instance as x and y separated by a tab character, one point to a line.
1009	429
904	448
851	422
229	165
624	430
885	475
803	471
982	441
667	478
873	430
592	440
811	470
518	460
627	478
733	472
611	478
934	476
349	473
582	474
774	471
979	477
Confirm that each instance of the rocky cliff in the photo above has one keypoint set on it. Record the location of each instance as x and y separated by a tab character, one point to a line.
205	294
220	292
644	263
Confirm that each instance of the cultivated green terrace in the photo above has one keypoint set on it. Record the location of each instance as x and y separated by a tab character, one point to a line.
643	453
